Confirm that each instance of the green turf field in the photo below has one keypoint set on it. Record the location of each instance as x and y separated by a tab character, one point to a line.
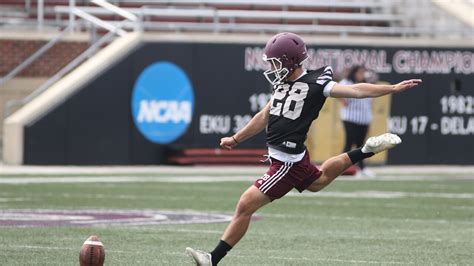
416	222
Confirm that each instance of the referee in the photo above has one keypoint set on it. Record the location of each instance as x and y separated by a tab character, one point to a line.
356	114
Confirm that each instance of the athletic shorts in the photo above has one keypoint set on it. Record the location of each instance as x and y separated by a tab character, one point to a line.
282	177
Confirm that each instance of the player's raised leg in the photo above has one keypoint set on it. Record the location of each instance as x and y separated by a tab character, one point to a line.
335	166
250	201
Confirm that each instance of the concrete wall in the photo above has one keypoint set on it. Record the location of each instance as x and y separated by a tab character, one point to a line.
13	52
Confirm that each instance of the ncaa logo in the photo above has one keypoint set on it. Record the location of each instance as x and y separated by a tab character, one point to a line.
162	102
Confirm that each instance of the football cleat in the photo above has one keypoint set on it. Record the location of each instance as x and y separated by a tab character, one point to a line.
381	143
201	258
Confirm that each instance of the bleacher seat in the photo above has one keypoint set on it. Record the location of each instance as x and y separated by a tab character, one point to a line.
233	15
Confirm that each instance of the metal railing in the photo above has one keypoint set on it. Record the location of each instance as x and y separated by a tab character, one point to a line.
112	28
401	16
70	66
34	56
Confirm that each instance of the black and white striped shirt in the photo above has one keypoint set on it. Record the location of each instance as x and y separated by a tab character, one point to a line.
357	111
293	107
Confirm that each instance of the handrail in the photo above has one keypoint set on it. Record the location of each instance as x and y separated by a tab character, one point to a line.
33	57
113	28
259	14
304	3
257	27
120	11
97	21
253	14
84	15
206	12
74	63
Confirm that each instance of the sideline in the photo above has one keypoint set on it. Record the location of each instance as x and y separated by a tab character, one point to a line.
200	170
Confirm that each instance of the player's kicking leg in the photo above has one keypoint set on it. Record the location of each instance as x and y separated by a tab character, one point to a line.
250	201
335	166
254	198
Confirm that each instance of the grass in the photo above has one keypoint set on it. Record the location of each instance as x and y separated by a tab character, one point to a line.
428	226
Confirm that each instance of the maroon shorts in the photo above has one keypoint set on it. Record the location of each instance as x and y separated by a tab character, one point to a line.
282	177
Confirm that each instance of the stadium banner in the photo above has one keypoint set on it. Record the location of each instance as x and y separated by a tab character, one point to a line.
170	96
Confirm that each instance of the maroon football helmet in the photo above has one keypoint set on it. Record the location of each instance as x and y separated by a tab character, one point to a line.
285	52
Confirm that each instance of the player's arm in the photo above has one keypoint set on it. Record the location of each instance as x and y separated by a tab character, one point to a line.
253	127
367	90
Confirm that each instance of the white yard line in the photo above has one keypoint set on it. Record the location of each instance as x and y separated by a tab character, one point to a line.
111	170
14	247
121	179
194	231
371	219
18	247
182	179
325	259
383	194
12	199
327	233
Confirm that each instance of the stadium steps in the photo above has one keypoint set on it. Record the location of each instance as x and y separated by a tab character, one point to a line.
240	12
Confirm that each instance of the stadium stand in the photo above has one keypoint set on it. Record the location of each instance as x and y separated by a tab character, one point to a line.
346	17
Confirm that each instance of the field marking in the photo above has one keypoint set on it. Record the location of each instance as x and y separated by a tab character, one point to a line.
383	194
391	204
355	218
16	199
331	234
16	247
104	217
194	231
171	198
324	259
193	179
122	179
348	236
38	247
113	170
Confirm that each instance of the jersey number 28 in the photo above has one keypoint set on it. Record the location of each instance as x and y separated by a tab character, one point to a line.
289	103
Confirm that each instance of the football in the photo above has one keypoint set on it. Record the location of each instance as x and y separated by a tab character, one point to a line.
92	252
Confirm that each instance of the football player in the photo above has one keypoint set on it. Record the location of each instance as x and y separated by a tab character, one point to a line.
298	96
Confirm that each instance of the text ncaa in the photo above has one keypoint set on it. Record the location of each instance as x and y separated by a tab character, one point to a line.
162	102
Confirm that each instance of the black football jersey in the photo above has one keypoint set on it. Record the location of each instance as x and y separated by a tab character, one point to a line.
293	107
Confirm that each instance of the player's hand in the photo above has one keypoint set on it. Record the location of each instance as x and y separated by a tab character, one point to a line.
407	84
228	143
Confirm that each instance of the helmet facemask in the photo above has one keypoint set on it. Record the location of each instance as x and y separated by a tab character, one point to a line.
276	74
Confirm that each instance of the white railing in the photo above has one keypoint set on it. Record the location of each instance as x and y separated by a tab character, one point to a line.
401	17
399	25
33	57
97	21
283	3
70	66
114	28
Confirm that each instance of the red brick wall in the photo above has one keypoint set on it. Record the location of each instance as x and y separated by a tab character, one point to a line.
13	52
